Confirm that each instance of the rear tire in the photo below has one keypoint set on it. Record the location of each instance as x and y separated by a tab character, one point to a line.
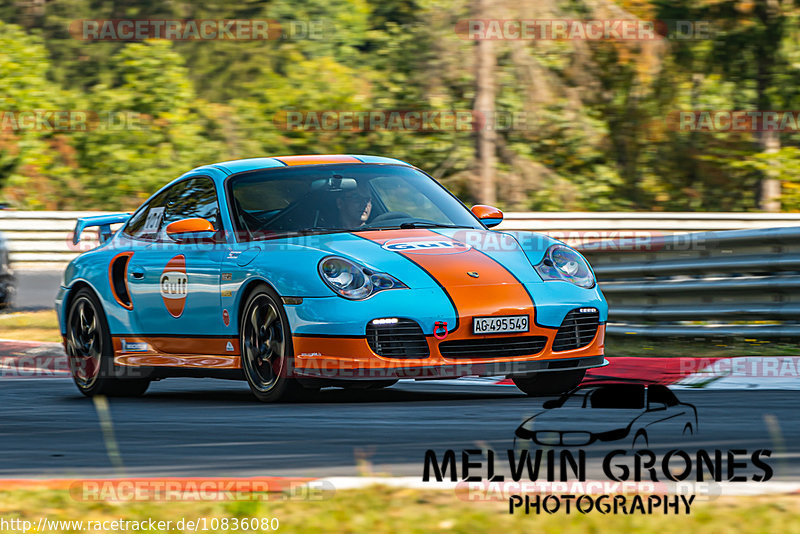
90	351
550	383
267	350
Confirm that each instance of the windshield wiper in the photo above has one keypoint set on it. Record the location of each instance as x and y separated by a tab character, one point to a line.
407	225
314	229
297	233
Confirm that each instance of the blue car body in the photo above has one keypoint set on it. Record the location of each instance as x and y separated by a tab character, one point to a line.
174	306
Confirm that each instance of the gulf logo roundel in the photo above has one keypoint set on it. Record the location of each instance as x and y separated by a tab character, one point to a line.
426	246
175	285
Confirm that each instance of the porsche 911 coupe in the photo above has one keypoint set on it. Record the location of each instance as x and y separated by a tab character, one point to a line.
301	272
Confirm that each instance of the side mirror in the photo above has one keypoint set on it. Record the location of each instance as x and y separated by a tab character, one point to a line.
195	229
489	215
656	407
552	403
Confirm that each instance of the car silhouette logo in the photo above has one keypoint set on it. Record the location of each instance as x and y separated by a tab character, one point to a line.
610	411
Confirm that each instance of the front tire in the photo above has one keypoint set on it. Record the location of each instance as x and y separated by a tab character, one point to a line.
550	383
267	351
90	351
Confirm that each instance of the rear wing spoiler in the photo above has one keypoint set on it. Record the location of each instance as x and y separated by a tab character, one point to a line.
103	221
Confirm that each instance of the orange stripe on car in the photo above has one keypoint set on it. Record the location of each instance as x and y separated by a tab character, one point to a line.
316	159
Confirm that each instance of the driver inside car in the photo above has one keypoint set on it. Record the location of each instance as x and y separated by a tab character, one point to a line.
355	206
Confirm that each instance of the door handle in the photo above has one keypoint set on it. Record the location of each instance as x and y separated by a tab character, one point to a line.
137	272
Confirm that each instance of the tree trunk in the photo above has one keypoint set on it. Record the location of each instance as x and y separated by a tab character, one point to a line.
770	193
769	142
484	111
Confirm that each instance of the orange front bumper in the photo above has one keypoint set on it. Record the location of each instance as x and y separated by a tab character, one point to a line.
352	358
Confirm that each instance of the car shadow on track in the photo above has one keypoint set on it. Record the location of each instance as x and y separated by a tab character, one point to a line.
402	394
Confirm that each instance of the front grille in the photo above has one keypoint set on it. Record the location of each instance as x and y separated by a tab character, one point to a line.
403	339
496	347
568	439
577	330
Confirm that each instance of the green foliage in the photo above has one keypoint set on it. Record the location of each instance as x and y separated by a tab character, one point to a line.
30	159
591	128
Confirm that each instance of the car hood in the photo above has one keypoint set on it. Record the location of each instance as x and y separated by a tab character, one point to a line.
593	420
428	260
390	251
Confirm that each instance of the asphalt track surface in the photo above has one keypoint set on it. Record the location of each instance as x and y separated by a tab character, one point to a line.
209	427
206	427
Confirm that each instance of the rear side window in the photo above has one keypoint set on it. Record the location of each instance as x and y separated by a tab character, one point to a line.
146	222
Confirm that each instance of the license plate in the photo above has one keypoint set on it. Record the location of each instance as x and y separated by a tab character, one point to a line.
500	325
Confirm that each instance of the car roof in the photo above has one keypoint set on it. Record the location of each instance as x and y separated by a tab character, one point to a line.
252	164
585	386
227	168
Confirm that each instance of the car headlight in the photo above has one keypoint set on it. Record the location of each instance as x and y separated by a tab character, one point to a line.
563	263
353	281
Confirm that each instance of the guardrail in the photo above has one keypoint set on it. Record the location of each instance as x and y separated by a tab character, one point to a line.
659	280
43	239
707	284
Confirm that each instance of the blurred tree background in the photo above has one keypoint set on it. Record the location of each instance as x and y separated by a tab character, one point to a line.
595	134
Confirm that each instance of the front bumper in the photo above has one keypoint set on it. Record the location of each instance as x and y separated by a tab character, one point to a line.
351	358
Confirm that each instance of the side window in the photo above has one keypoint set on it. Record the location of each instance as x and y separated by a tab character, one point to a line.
195	197
620	396
145	223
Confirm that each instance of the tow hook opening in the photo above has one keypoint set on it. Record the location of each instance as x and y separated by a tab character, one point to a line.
440	329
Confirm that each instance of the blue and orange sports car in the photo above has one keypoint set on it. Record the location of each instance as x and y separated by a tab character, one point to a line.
301	272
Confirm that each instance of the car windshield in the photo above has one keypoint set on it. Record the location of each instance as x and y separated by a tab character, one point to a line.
352	197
